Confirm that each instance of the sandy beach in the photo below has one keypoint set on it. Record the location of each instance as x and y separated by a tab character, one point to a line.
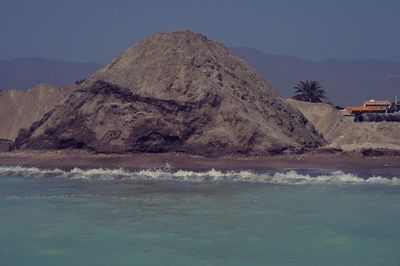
69	159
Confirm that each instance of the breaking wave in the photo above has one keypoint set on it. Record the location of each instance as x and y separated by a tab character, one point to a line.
289	177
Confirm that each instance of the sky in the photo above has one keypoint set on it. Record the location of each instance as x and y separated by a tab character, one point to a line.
99	30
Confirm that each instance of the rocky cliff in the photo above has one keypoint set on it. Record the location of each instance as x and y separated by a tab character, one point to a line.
175	91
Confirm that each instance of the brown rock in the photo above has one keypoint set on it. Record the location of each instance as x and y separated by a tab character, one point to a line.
5	145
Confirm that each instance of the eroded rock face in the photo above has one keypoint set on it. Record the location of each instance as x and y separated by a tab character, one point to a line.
174	91
108	118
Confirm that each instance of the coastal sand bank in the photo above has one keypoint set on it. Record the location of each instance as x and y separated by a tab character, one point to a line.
69	159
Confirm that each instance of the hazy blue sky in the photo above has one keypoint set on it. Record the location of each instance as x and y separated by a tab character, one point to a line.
98	30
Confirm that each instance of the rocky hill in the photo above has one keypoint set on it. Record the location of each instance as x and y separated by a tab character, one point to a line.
19	109
175	91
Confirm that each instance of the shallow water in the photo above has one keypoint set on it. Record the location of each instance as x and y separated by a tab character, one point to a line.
287	218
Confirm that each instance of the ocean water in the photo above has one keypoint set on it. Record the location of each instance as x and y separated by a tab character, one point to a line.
163	217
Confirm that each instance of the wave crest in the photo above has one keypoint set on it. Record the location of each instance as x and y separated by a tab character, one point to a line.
290	177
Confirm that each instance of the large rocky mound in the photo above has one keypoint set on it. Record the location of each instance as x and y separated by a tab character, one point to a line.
19	109
347	135
175	91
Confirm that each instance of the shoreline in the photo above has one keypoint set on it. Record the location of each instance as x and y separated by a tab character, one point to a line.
69	159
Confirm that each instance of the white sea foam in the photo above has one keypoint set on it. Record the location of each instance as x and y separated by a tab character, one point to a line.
291	177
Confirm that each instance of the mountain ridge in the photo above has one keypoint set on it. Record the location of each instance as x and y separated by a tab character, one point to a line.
26	72
347	82
359	79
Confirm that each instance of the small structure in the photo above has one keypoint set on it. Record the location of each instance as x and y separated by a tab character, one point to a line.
381	104
372	111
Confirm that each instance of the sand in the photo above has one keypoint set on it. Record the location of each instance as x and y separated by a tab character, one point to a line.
19	109
347	135
69	159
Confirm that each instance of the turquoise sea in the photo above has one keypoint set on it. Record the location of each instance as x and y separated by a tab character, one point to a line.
165	217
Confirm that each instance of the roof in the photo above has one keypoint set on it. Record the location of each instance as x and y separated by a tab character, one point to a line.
377	103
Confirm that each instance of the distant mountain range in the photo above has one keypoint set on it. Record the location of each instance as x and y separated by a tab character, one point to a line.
347	82
24	73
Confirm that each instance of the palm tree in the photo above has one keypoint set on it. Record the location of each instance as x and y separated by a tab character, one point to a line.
309	91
